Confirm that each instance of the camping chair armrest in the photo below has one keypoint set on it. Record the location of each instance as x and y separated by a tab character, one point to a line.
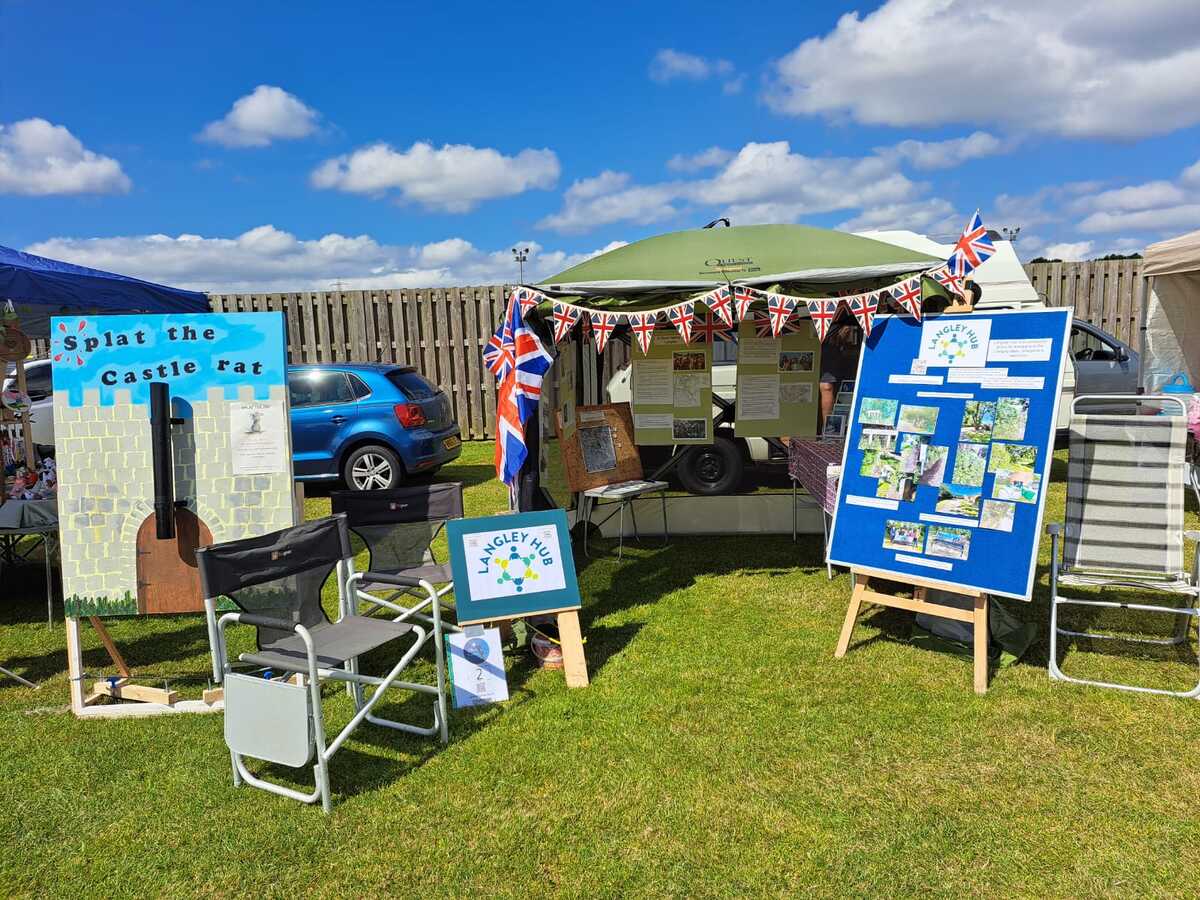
265	622
386	578
1193	536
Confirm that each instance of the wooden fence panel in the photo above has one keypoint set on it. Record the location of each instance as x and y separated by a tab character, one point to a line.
1105	293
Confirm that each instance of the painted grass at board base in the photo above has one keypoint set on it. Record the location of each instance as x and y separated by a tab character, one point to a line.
949	447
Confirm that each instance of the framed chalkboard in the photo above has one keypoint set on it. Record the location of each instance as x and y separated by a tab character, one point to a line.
506	567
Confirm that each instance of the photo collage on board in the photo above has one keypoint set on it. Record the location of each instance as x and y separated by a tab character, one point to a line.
897	449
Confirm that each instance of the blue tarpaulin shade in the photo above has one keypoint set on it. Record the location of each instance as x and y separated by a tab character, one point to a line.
41	287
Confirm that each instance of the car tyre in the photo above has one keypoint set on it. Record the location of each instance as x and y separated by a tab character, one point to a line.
715	469
372	468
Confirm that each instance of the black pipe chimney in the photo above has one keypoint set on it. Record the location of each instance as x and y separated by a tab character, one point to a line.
163	459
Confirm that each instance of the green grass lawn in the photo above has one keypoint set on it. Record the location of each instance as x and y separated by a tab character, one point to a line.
719	751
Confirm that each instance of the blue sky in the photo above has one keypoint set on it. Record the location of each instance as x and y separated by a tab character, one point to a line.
274	146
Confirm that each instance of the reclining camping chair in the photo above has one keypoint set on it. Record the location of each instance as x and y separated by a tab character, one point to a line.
275	580
399	528
1124	519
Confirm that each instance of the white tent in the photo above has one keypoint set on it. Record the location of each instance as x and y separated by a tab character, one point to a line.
1171	311
1002	277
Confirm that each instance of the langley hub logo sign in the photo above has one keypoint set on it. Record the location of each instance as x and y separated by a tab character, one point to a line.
955	342
518	561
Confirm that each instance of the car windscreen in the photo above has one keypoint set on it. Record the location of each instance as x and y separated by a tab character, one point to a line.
414	385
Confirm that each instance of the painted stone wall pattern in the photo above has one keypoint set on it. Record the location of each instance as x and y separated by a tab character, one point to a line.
103	368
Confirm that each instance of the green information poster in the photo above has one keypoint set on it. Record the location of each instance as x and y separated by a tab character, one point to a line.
672	391
777	392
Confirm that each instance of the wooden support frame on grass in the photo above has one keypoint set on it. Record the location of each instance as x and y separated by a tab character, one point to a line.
864	592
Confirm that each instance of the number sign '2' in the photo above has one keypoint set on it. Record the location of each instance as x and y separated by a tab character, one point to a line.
510	566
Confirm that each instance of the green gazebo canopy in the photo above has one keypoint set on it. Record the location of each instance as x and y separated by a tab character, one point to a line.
705	258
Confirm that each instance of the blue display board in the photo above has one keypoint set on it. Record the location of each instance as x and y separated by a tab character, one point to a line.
510	566
948	449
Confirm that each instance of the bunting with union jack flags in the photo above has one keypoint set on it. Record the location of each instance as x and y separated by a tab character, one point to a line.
762	325
864	307
681	317
821	312
565	316
643	325
779	310
948	278
603	324
908	295
720	301
519	361
743	296
527	299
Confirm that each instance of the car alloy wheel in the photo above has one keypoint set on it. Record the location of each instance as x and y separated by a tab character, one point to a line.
371	472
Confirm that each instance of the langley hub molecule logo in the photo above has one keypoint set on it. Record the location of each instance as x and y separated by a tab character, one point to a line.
954	342
514	559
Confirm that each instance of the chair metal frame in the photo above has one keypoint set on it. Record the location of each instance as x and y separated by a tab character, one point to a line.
589	502
1185	586
314	674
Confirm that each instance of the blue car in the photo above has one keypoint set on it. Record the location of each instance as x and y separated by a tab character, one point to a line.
370	425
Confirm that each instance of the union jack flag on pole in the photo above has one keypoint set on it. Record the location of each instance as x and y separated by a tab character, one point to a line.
779	309
520	363
681	317
864	307
643	325
974	246
603	324
565	317
822	312
908	295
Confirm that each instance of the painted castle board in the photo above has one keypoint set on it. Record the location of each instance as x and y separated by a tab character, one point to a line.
214	364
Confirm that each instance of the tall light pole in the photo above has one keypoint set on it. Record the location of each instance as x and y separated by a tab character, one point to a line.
520	256
1010	234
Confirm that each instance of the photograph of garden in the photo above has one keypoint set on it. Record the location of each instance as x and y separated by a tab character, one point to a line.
1012	458
1011	415
956	500
979	418
877	411
920	419
969	464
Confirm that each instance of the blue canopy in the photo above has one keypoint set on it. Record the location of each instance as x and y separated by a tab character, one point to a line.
58	288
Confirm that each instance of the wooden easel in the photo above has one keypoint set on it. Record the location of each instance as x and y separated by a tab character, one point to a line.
863	592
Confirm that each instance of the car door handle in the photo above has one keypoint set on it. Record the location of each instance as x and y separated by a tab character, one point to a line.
337	420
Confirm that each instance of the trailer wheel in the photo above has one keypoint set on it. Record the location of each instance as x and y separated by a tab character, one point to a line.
715	469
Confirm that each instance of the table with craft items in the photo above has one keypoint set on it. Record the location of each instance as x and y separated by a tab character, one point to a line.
37	519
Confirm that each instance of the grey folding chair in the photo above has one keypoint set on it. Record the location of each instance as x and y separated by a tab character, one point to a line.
399	528
275	580
1124	519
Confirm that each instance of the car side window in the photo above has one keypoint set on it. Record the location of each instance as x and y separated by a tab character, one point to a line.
38	383
358	386
1085	345
317	388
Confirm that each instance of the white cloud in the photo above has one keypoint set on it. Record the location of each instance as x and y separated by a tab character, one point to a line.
1138	196
1091	70
1068	252
1191	175
38	159
673	65
453	178
1184	217
934	217
945	154
705	159
266	114
266	259
762	182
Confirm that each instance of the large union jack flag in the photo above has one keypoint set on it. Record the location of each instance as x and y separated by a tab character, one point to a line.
711	329
519	361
